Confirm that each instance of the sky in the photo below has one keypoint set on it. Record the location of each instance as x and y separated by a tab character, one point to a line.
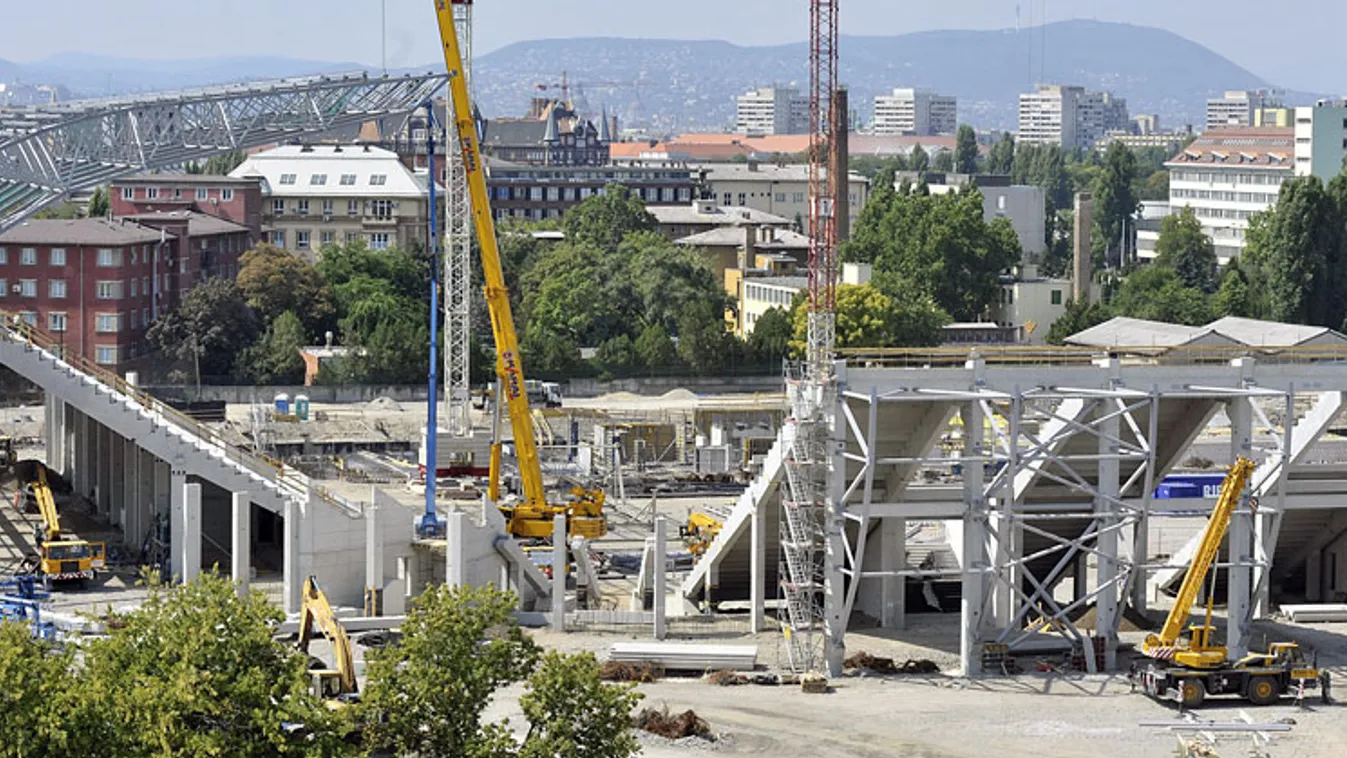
1250	32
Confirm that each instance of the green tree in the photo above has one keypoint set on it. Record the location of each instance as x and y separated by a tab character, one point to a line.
36	688
390	335
665	278
195	671
604	220
219	165
427	694
944	161
213	325
966	150
703	343
63	212
1115	200
275	359
1077	318
1158	293
277	281
1295	246
1156	187
770	340
617	356
572	713
919	160
1001	158
1184	247
869	317
1236	296
655	348
99	204
1058	254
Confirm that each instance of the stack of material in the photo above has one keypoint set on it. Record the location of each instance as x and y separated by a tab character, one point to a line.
674	656
1315	612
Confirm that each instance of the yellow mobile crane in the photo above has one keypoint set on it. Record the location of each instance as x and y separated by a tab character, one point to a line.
1188	670
532	516
60	559
317	613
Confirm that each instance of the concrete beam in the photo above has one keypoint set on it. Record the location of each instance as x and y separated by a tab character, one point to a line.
974	548
191	538
660	565
757	570
177	527
559	572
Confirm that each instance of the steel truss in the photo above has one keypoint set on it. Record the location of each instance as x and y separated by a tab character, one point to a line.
49	153
1069	470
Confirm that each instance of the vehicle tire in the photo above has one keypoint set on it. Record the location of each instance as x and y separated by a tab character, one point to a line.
1263	690
1192	692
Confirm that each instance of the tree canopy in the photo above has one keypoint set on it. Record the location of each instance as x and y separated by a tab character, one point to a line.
1184	247
966	150
213	325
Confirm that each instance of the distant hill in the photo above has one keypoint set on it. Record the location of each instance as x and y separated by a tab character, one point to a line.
672	86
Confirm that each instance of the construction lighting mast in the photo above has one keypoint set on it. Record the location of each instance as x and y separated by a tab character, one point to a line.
458	260
808	548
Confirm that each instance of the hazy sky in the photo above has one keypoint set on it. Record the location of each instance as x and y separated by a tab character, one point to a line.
1294	43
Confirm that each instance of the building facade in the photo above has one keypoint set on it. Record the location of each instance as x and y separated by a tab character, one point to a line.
1238	107
772	110
704	215
542	192
316	195
916	112
1321	139
234	199
552	134
1023	206
1030	306
1070	116
781	190
1227	175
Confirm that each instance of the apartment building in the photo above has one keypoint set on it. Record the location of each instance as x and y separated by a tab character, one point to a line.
1240	107
537	193
234	199
1227	175
1321	139
317	195
772	110
781	190
915	112
1070	116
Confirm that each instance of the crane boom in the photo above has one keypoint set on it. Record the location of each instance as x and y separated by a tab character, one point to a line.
46	506
1231	491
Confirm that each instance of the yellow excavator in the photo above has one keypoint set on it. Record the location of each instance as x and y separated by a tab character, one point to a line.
60	559
529	517
1188	670
699	532
316	613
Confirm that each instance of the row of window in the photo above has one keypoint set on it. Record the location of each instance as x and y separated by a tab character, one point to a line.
1179	175
764	294
304	239
115	257
347	180
1266	198
1222	213
202	194
59	289
104	323
575	194
376	208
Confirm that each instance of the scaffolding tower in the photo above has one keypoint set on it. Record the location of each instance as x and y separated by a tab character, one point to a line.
458	258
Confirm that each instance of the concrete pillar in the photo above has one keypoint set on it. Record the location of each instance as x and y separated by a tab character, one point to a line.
456	531
241	549
893	557
559	573
661	564
191	538
835	553
975	559
1106	511
54	431
176	527
85	449
1314	576
117	478
757	567
1240	536
132	506
294	583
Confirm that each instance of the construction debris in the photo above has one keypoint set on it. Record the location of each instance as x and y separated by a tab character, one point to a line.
661	722
875	665
814	684
686	657
616	671
1196	748
1315	612
726	678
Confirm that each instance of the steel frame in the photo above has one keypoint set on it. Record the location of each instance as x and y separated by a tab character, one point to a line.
48	153
458	260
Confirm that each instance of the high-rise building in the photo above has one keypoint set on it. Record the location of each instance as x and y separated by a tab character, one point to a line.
772	110
1070	116
916	112
1238	107
1321	138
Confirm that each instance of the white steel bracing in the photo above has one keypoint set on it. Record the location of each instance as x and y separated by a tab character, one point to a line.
49	152
458	260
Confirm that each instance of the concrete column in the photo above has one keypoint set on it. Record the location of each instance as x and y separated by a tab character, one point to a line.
559	573
975	527
54	431
757	567
893	557
117	473
834	560
132	505
191	538
1314	576
660	565
1240	536
1106	511
84	463
177	527
456	530
241	549
294	583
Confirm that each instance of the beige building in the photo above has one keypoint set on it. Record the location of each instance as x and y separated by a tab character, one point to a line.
316	195
775	189
1030	306
773	282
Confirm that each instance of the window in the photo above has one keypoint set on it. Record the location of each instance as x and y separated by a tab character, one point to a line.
4	288
351	237
134	290
278	207
29	317
685	194
535	193
329	237
108	290
287	179
318	180
128	193
729	199
108	323
109	258
145	285
1056	297
780	197
56	288
743	199
145	317
4	256
378	241
302	207
152	193
28	256
301	240
227	195
327	207
381	208
28	287
797	198
106	355
56	322
278	238
135	320
378	180
353	207
133	256
57	257
348	180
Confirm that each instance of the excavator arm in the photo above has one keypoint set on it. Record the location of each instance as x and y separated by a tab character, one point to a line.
316	613
1232	490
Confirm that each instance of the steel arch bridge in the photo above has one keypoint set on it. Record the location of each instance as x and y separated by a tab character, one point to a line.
49	152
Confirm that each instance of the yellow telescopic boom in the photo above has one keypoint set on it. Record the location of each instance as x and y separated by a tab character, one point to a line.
46	506
1231	491
508	364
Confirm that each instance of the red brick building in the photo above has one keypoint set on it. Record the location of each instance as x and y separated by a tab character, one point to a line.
234	199
96	285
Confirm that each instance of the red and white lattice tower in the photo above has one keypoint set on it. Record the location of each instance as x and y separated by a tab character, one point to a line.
823	188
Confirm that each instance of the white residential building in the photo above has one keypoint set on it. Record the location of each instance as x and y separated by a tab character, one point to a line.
1227	175
316	195
1321	139
916	112
782	190
1238	107
772	110
1070	116
1030	306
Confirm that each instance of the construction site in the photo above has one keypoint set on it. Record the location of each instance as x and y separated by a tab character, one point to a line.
1099	551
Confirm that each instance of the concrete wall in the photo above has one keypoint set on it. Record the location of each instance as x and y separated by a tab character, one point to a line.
332	548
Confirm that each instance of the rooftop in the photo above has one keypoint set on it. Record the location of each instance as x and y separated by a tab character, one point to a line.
733	236
708	213
333	171
768	172
1249	146
81	231
1229	331
198	224
182	178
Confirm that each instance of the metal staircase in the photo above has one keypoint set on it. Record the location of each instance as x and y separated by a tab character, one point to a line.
804	512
